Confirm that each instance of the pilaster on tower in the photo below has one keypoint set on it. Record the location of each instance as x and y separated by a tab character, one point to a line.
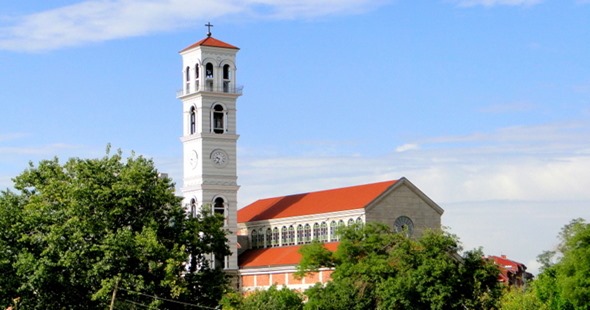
209	136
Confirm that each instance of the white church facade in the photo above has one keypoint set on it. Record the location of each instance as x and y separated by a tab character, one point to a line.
267	234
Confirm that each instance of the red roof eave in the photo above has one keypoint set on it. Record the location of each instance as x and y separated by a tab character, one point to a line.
274	257
210	41
334	200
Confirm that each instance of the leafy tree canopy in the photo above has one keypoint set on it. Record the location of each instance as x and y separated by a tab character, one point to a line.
73	232
272	298
376	268
565	279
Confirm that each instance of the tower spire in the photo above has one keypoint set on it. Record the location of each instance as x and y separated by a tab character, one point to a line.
208	25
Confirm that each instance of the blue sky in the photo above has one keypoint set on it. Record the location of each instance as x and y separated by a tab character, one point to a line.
483	104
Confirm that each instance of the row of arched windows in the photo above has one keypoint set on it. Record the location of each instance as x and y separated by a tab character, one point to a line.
219	206
300	234
218	119
209	74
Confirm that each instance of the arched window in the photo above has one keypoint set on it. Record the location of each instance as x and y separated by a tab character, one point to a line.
226	72
193	206
359	220
187	88
260	238
324	232
284	235
254	238
219	206
209	70
291	238
275	237
218	119
299	234
193	120
307	233
350	222
197	77
333	228
267	242
316	231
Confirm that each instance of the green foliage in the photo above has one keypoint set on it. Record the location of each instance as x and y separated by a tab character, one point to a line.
376	268
272	298
71	232
565	280
521	299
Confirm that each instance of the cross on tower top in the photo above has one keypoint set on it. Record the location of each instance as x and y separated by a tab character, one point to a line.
208	25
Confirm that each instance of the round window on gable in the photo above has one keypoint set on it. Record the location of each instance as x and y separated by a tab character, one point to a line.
404	224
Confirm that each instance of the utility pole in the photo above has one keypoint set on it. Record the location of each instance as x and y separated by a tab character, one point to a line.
114	295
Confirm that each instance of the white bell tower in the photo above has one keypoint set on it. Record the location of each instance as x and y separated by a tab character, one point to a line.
209	135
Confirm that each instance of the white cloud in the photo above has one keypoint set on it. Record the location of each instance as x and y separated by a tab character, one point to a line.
96	20
526	163
407	147
490	3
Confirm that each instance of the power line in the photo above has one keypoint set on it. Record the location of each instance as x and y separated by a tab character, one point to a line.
169	300
134	303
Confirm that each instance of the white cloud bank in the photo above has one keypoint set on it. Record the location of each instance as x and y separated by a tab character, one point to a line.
96	20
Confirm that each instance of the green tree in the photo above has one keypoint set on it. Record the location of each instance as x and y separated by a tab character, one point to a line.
565	279
71	233
521	299
272	298
376	268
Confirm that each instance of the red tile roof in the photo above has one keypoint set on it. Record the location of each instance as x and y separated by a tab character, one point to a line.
210	41
272	257
507	266
339	199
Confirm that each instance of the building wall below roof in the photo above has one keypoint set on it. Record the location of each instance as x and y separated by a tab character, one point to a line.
402	201
262	280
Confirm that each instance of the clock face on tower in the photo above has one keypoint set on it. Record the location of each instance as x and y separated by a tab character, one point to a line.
193	159
219	158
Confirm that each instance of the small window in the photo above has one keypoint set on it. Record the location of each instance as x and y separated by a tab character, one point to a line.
188	74
275	237
299	234
291	239
209	70
316	231
219	206
284	235
226	72
193	206
350	222
193	120
307	233
333	228
324	232
254	238
218	119
196	71
260	238
267	242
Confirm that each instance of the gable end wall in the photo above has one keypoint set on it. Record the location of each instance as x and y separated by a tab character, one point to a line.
403	201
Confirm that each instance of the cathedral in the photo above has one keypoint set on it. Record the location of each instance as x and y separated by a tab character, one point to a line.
267	234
